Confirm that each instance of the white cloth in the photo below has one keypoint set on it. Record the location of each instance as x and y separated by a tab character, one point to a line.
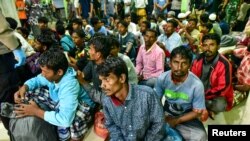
26	47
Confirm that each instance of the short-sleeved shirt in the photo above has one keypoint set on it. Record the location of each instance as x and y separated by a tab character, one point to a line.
181	98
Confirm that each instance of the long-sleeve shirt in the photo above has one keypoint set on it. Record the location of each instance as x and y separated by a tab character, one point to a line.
150	63
140	117
67	93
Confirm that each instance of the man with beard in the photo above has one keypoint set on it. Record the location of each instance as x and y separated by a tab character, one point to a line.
215	71
184	96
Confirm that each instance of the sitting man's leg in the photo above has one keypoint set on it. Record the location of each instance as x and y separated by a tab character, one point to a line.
215	106
81	123
192	130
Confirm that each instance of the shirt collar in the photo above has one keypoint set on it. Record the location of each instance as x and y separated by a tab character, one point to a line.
151	48
117	102
123	36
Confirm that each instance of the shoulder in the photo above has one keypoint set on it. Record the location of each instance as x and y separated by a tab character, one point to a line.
194	79
141	89
223	60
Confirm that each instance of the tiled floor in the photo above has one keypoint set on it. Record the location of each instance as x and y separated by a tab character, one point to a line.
235	116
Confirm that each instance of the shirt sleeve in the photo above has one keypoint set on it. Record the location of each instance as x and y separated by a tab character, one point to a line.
68	103
199	97
160	60
36	82
139	62
114	131
239	52
158	86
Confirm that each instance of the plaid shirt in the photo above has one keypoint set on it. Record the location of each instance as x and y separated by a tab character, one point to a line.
243	71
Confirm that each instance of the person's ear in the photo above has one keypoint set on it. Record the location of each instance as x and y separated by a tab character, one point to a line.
123	78
60	72
45	48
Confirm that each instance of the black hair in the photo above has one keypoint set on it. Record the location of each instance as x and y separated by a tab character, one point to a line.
113	65
194	20
127	15
46	39
162	16
152	30
221	15
173	22
101	45
77	21
43	20
80	33
12	22
94	21
183	51
147	23
54	59
204	17
212	36
208	25
60	29
24	31
125	24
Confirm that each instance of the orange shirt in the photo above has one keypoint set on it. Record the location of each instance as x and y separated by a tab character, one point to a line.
20	5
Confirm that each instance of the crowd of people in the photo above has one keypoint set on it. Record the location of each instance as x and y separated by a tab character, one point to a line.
152	67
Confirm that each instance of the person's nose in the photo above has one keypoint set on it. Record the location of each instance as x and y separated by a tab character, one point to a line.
102	85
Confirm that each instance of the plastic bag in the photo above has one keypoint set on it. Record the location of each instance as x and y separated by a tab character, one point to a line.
32	129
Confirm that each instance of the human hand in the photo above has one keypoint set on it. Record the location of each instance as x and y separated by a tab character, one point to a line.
242	88
171	121
20	94
23	110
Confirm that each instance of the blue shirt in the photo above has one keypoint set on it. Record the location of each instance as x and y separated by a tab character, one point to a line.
101	30
170	42
67	93
181	98
140	117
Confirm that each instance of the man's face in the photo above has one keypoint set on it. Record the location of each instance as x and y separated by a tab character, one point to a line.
93	55
114	51
168	28
191	25
210	48
38	46
77	40
122	29
128	19
84	22
98	25
149	38
143	27
76	26
179	66
49	74
111	84
42	25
